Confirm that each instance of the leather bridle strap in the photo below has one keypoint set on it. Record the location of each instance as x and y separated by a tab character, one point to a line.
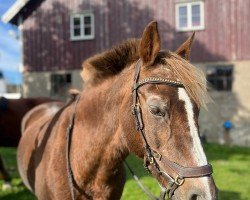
188	172
68	144
155	80
152	157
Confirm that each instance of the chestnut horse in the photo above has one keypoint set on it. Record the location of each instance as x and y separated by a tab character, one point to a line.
166	97
11	114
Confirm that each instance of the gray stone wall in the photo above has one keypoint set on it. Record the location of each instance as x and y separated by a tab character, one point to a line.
38	84
229	105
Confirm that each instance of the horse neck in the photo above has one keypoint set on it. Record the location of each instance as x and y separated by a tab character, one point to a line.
102	115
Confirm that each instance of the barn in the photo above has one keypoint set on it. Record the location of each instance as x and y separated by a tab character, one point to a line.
57	35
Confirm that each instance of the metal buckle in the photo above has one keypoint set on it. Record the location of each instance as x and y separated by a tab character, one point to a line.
157	155
178	180
151	161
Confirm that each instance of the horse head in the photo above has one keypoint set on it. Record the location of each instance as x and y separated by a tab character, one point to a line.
168	93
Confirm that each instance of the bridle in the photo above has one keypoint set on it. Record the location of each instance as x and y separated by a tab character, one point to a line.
152	157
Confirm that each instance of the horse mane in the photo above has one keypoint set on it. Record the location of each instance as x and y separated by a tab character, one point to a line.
110	62
191	77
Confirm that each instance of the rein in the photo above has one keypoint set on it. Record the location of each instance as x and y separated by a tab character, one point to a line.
68	142
152	158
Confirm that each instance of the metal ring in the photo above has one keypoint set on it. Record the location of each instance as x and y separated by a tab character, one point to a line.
178	180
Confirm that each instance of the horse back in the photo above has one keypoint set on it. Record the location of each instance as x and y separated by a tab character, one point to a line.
39	112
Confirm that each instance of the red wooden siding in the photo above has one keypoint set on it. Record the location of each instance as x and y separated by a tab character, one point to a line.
46	32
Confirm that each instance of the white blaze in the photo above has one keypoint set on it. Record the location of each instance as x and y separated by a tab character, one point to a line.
197	150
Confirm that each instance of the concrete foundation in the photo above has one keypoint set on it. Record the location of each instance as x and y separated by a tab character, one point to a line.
229	105
37	84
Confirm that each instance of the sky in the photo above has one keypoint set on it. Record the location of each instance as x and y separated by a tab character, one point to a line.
9	48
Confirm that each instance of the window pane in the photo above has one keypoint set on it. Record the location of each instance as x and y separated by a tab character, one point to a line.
196	20
183	23
87	20
68	78
77	31
196	10
87	31
60	83
76	26
220	77
77	21
183	16
183	11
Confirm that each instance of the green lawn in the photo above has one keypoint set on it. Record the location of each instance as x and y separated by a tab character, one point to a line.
231	172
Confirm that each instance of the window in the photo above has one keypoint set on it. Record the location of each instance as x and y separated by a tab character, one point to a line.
60	83
82	26
220	77
190	16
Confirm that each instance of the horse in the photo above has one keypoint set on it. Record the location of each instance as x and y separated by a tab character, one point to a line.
136	99
11	114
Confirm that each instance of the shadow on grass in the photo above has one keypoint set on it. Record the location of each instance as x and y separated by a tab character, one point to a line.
223	152
240	172
229	195
18	195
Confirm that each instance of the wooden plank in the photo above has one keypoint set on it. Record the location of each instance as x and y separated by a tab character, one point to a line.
226	34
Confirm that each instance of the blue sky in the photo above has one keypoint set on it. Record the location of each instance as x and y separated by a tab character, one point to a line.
9	48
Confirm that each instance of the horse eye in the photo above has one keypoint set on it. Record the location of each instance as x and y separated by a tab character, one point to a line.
156	111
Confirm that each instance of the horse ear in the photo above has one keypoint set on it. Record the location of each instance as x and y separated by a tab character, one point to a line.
185	49
150	44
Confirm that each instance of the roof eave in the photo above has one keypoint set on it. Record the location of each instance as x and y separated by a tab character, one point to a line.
13	11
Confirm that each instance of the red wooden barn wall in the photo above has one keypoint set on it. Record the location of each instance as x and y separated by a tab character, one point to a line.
46	31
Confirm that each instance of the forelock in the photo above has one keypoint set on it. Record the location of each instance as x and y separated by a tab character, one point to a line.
192	78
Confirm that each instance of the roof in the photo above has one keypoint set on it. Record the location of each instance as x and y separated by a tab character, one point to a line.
14	10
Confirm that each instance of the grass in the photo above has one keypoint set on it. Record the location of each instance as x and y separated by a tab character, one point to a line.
231	172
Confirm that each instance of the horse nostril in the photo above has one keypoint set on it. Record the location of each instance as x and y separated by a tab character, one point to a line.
196	195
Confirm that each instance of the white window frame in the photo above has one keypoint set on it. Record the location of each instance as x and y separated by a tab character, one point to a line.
82	36
190	27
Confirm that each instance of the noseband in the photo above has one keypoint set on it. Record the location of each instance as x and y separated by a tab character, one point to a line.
152	158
